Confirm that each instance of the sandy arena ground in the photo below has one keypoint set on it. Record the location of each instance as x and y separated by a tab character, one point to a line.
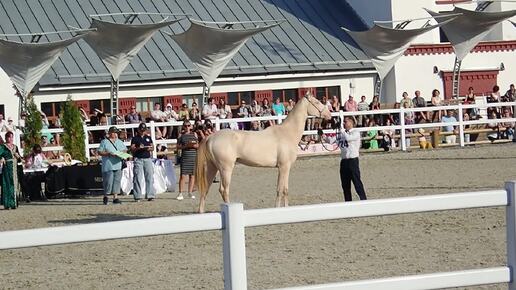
286	255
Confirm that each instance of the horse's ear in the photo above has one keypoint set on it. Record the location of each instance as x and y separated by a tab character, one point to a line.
308	95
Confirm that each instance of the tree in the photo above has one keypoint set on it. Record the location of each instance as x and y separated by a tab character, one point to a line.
73	136
33	126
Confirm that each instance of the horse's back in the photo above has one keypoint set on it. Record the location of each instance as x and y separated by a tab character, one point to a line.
253	148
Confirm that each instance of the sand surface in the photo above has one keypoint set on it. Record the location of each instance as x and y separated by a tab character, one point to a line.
286	255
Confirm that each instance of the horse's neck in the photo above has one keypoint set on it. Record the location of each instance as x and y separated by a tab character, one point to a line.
294	124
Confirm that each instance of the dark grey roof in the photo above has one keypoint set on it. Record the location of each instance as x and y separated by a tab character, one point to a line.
309	40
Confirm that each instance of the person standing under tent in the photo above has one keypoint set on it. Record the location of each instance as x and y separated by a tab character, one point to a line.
188	143
10	156
349	144
141	148
111	164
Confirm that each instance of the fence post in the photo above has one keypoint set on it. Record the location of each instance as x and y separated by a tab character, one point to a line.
461	126
233	239
86	142
402	131
217	124
510	214
153	137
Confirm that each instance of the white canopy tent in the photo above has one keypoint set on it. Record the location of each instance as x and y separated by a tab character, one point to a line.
26	63
117	44
385	45
211	48
466	30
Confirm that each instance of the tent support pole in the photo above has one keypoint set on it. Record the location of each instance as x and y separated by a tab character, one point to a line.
114	100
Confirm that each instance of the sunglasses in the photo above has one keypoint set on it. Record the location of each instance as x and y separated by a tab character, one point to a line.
133	108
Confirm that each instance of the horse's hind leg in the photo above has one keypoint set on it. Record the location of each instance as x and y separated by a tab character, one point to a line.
211	171
225	180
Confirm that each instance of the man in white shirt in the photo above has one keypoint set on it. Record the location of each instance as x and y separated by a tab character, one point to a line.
210	110
159	116
349	143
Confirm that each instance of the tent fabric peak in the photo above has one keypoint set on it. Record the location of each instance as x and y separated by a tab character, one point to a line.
211	48
384	45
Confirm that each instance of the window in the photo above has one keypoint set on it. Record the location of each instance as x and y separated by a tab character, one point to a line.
334	91
278	94
246	96
291	94
48	109
321	92
233	99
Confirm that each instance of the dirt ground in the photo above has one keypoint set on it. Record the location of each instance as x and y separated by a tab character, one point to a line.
286	255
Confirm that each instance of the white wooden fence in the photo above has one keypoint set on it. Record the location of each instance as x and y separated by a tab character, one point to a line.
233	220
461	123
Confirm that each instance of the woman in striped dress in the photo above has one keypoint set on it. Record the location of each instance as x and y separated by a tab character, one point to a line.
188	144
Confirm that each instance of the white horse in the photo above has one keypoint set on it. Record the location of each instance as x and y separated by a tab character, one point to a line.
275	146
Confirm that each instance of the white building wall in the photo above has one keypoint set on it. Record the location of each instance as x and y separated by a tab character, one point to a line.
9	98
416	72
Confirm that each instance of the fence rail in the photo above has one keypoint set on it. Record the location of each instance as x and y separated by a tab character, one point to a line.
402	127
233	220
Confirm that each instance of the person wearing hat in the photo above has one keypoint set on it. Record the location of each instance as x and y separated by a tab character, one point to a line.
111	164
9	126
141	148
423	144
349	142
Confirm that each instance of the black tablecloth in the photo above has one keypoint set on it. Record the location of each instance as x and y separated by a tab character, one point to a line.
64	181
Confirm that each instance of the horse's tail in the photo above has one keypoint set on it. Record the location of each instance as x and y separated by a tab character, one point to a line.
200	169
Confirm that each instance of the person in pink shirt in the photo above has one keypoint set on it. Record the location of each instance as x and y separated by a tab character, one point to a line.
350	105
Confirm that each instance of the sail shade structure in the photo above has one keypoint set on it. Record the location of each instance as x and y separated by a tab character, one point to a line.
117	44
466	30
211	48
385	45
26	63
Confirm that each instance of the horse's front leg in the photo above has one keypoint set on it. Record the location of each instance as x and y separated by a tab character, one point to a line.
282	190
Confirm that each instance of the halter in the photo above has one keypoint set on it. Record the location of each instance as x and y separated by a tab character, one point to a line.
320	135
319	110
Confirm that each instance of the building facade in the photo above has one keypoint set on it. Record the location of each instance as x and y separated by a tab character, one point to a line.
308	51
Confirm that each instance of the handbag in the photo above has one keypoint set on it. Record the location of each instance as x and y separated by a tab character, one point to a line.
124	162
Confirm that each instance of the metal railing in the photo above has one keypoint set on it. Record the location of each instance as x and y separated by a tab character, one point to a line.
233	220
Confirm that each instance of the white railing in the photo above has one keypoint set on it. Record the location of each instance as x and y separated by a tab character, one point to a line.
461	123
233	220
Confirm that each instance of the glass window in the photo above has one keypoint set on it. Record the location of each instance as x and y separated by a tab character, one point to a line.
95	104
58	107
142	105
233	99
320	93
291	94
246	96
277	94
106	106
47	108
153	101
334	91
189	99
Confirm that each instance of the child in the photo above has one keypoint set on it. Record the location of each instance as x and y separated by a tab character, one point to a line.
423	144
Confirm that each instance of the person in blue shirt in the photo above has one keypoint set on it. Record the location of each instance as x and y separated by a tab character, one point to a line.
111	164
450	118
278	108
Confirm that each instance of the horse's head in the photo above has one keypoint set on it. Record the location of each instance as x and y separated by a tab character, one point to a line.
316	108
